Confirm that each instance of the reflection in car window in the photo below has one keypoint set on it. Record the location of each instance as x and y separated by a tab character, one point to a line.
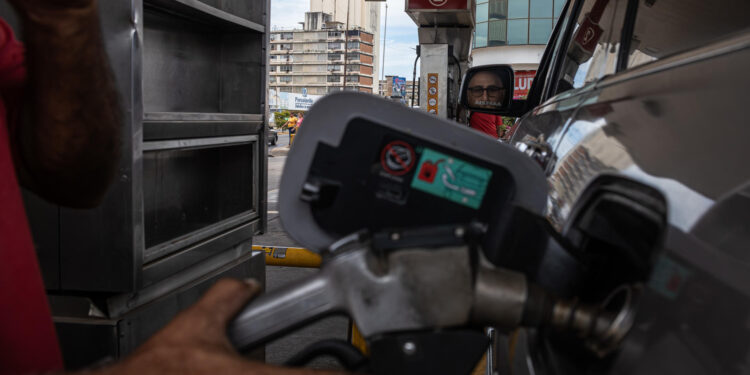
592	52
665	27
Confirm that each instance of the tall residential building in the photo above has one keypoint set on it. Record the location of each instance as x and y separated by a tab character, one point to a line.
362	14
514	32
311	61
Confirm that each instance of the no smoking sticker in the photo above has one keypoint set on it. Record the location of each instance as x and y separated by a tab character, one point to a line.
397	158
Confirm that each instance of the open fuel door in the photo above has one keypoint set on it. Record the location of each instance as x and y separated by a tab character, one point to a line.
362	163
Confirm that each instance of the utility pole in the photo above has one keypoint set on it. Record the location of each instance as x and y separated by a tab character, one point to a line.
385	36
346	41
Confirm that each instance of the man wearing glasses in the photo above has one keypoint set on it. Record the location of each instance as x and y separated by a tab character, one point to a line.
486	91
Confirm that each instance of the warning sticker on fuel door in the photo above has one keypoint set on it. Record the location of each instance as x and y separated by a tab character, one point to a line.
397	158
450	178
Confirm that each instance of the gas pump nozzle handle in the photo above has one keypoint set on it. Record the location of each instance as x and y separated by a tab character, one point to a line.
293	305
414	289
275	313
407	290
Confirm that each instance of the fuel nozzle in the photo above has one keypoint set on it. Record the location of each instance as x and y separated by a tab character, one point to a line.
505	300
601	327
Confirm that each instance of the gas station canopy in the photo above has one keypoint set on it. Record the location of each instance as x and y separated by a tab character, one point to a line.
441	13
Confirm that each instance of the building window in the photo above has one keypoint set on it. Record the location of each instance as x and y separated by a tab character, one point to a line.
334	56
334	79
482	12
334	45
352	56
334	68
498	33
334	34
352	79
498	10
504	22
558	7
285	68
353	45
539	31
285	79
286	36
518	8
480	39
518	31
540	8
353	32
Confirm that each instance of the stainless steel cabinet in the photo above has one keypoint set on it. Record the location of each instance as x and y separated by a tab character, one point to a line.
190	192
191	77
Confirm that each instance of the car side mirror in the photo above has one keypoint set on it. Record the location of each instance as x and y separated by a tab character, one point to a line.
488	89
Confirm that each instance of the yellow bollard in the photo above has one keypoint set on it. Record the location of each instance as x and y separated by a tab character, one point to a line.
357	340
481	367
289	256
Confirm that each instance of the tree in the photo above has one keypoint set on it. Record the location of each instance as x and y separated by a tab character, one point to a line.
280	118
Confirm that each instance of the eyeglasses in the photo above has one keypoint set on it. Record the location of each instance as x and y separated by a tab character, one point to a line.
477	91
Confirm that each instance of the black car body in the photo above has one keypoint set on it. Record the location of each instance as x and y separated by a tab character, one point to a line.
272	136
641	128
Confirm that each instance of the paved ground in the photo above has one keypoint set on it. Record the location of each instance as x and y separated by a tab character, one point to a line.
336	327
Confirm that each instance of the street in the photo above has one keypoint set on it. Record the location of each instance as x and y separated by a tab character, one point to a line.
335	327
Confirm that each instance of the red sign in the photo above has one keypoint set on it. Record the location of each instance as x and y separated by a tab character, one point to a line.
523	79
437	4
397	158
428	171
588	35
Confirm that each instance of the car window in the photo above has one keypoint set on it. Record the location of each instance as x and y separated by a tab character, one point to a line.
666	27
594	45
555	43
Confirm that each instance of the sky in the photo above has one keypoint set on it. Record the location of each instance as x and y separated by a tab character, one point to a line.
401	34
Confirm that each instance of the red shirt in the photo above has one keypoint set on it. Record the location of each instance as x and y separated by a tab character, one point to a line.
27	336
485	123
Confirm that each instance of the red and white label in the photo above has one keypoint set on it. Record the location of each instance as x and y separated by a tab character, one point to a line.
523	79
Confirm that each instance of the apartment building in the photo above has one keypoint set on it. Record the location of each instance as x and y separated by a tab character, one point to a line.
315	60
362	14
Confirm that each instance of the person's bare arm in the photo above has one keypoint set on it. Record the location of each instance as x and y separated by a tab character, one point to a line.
66	142
195	342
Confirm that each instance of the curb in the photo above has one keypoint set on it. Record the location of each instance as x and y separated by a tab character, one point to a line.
279	151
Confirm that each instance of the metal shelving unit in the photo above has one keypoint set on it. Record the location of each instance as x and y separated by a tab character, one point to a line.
191	189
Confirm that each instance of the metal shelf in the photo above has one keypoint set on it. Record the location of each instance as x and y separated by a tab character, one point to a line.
204	12
200	116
